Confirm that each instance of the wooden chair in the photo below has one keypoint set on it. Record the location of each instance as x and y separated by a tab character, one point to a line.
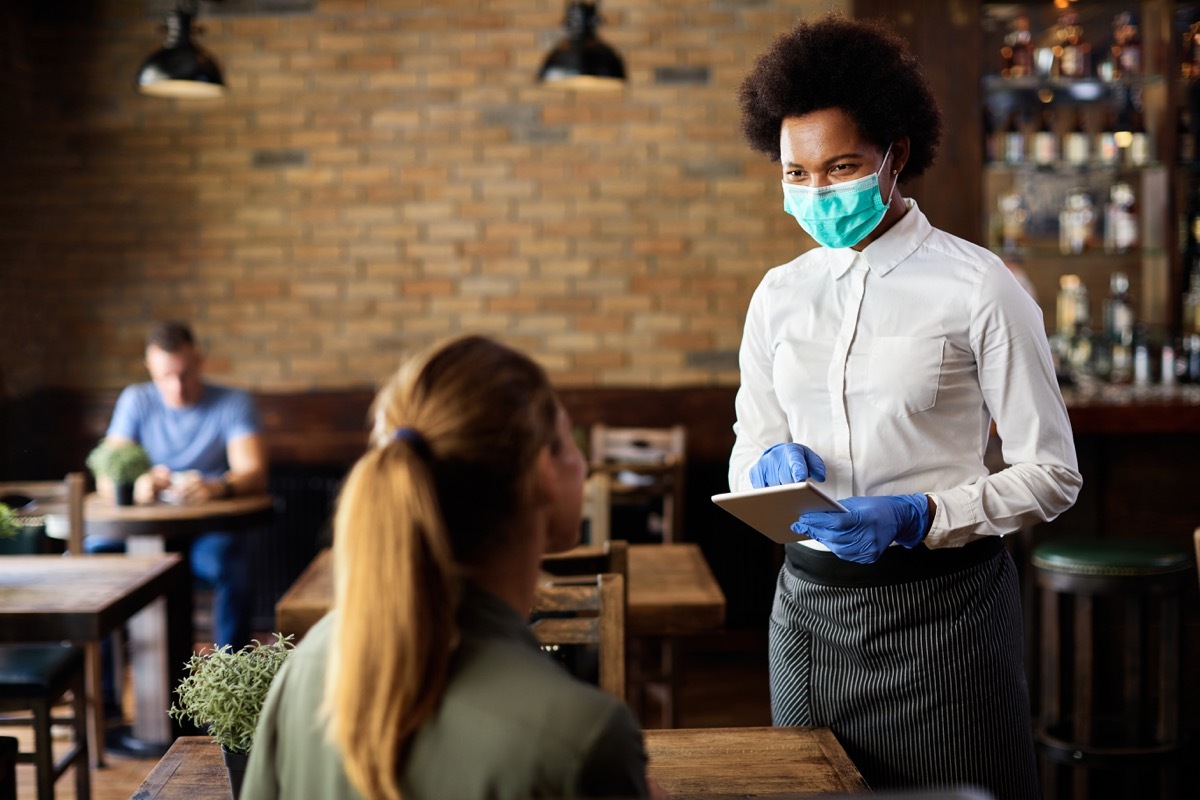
656	457
59	504
597	501
35	678
588	613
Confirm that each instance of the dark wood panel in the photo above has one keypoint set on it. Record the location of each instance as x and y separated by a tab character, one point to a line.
947	43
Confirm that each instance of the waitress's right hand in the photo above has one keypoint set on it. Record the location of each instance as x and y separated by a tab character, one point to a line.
784	463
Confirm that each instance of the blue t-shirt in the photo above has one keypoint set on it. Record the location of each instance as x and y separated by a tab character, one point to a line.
193	437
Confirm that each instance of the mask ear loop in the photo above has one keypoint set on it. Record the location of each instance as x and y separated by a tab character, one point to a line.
895	174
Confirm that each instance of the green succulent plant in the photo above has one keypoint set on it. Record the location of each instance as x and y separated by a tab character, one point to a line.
224	689
120	463
9	524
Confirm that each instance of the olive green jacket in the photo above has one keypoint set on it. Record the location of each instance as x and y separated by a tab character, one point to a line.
512	724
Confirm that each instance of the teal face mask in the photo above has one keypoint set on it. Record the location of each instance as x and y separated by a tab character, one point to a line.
841	214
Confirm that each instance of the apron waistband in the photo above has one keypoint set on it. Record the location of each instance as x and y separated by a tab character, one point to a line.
897	564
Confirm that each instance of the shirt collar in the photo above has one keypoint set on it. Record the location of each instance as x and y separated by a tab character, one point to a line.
885	253
483	614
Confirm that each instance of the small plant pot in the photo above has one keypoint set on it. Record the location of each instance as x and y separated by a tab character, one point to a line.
235	765
124	493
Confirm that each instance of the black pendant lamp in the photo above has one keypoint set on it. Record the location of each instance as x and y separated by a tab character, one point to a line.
581	60
181	68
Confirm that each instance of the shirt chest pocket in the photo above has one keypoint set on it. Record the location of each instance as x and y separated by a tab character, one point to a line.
903	374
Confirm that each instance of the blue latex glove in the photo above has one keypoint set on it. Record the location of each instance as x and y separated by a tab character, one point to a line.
785	463
868	526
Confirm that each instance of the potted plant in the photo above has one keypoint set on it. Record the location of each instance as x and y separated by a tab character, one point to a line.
9	524
223	691
122	464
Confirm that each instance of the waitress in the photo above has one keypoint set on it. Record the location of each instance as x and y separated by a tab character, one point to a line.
875	364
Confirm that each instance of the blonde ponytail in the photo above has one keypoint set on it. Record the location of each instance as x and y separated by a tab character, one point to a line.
454	440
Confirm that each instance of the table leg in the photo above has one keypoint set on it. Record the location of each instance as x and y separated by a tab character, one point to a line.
159	644
93	668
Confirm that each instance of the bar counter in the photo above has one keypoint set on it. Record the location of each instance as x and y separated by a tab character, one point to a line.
1126	409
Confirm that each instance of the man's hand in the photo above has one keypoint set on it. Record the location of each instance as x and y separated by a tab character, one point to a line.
200	490
149	484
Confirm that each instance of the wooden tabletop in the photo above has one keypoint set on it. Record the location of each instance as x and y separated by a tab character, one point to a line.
106	518
750	762
80	598
671	591
686	762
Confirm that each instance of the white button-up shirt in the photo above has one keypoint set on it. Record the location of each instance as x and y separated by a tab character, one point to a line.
890	365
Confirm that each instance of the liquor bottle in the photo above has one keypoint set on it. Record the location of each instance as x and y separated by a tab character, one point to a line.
1187	139
1075	142
1139	142
1072	52
1014	140
1127	47
1191	300
1118	328
1076	223
1190	53
1045	140
1071	307
1120	220
991	139
1107	151
1017	52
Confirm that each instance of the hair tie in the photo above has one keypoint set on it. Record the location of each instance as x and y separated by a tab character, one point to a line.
415	440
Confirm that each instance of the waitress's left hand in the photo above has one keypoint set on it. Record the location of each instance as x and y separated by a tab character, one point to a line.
868	525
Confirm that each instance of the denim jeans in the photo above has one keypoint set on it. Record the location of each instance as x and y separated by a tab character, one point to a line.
220	560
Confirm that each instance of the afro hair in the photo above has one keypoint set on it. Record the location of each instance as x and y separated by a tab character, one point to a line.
860	67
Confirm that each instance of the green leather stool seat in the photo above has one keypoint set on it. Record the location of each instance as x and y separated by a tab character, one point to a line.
1108	725
1111	557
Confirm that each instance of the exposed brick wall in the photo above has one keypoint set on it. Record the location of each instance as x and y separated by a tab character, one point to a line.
384	172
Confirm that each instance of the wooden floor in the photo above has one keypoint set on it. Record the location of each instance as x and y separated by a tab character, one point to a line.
723	686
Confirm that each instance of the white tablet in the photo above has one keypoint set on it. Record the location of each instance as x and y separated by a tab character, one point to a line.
772	510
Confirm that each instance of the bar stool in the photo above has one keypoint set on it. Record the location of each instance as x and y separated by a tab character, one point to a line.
1110	702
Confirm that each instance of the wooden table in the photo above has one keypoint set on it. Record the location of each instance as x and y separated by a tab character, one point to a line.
161	523
686	762
671	592
84	598
153	530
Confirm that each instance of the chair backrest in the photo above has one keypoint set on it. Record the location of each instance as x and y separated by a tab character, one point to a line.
597	500
656	458
55	498
637	445
586	613
587	561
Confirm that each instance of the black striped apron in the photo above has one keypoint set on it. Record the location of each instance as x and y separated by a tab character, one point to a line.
915	662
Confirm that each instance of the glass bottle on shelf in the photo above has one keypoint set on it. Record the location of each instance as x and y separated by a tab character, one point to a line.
1072	52
1076	223
1014	140
1120	219
1107	151
1139	143
1017	53
1045	140
1118	328
1191	300
1190	53
1013	216
1185	137
1075	142
1126	52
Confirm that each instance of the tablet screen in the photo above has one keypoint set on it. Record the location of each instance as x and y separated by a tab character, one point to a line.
772	510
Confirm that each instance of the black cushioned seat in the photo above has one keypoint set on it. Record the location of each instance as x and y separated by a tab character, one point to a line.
1110	660
35	677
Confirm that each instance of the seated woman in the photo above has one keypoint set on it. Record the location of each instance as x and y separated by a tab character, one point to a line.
425	680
